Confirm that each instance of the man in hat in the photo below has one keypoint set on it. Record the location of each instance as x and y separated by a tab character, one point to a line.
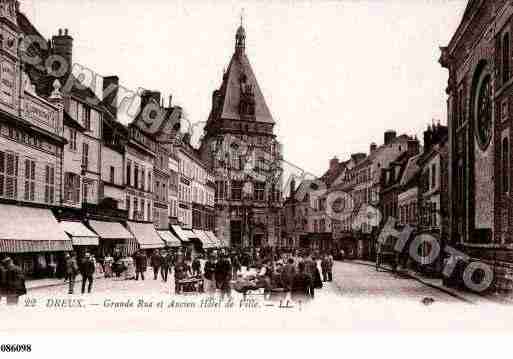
209	274
71	271
164	268
15	282
141	261
3	281
87	271
156	263
182	270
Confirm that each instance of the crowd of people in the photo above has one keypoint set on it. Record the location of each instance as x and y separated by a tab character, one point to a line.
269	270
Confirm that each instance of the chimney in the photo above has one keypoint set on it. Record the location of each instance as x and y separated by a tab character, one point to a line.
373	147
170	101
413	147
428	138
333	163
62	45
148	95
390	135
110	93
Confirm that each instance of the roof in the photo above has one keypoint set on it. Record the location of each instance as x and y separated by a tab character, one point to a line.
410	170
70	122
231	89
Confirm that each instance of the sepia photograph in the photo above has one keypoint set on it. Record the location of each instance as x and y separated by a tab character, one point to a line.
255	166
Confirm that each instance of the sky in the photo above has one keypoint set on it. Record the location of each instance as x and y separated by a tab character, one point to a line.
335	74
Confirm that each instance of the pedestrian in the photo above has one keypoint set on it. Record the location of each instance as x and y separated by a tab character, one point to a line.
140	264
156	262
287	275
3	281
236	266
164	267
107	266
71	271
196	267
302	286
330	267
182	271
325	266
87	270
209	274
15	285
223	273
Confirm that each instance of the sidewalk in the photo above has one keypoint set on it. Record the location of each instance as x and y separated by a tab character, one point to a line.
436	283
53	282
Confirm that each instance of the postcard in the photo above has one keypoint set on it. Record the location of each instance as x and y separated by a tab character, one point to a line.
256	166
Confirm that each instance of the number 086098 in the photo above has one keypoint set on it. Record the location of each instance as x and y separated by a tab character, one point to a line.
15	348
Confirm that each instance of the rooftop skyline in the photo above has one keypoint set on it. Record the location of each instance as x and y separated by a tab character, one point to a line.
332	86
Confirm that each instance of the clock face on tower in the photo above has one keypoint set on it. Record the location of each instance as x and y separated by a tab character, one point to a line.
483	111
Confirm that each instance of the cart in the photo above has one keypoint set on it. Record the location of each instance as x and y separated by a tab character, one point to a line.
190	285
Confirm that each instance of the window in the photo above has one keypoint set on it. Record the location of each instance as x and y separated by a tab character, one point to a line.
8	175
259	191
150	185
73	139
71	187
128	205
220	190
236	190
86	118
149	211
136	176
85	155
505	59
505	165
128	173
30	179
49	184
112	173
433	175
136	213
157	189
143	206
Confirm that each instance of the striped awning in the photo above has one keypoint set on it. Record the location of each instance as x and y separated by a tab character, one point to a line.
204	239
169	238
28	229
185	235
216	242
110	230
79	233
146	235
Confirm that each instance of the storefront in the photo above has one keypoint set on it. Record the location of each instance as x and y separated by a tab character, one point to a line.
146	236
33	238
114	238
83	239
183	236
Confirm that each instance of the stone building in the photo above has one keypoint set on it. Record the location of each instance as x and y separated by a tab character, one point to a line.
240	146
31	156
479	60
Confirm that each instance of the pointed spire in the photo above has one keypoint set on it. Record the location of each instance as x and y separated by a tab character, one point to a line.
240	36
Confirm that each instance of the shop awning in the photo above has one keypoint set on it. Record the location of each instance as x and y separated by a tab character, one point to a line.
216	242
80	234
110	230
169	239
27	229
185	235
205	240
146	235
